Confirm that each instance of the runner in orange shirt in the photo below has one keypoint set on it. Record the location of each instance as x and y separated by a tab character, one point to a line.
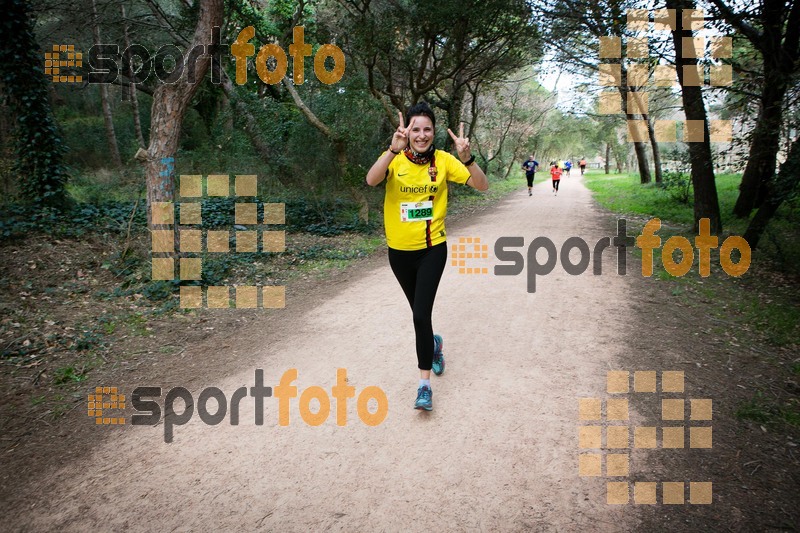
555	173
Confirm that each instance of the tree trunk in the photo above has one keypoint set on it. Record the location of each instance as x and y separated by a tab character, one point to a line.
639	147
137	122
339	145
786	182
104	101
250	124
608	158
356	193
454	112
621	159
509	168
6	142
764	146
777	37
38	149
641	160
170	101
706	203
654	146
514	156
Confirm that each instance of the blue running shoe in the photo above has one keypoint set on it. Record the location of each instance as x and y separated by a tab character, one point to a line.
424	398
438	357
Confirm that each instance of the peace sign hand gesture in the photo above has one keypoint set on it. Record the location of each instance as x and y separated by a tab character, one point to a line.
400	137
462	144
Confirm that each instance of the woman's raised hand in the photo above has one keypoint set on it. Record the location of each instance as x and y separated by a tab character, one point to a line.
462	144
400	137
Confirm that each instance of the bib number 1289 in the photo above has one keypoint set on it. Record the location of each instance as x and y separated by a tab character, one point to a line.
413	212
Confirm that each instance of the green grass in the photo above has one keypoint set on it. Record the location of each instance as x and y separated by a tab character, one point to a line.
37	400
770	412
101	186
320	260
462	198
69	374
137	324
623	193
499	187
778	320
771	311
761	301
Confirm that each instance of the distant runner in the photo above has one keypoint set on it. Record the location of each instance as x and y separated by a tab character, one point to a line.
582	164
530	167
555	173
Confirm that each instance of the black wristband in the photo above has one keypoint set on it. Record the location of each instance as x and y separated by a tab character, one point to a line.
471	160
395	153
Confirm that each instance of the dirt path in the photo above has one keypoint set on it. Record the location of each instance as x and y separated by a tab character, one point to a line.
499	451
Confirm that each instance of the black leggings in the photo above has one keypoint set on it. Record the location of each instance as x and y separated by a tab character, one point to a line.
419	272
555	184
529	177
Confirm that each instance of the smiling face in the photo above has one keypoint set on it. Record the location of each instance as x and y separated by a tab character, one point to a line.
420	136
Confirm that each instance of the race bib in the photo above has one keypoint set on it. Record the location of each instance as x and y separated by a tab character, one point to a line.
416	211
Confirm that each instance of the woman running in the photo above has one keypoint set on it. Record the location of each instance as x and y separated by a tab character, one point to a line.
414	211
555	173
530	166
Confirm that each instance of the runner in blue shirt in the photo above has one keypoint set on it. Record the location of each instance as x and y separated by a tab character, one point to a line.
530	167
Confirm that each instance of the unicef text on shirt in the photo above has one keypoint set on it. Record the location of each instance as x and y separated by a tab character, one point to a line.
422	189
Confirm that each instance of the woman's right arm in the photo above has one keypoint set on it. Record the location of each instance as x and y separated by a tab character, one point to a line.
377	173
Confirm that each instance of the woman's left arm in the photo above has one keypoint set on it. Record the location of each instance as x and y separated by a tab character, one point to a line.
477	179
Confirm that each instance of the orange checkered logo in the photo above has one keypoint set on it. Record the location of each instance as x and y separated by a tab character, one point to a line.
641	74
469	248
192	242
104	399
63	57
620	437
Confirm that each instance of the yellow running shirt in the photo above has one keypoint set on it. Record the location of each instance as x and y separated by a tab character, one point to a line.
416	203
